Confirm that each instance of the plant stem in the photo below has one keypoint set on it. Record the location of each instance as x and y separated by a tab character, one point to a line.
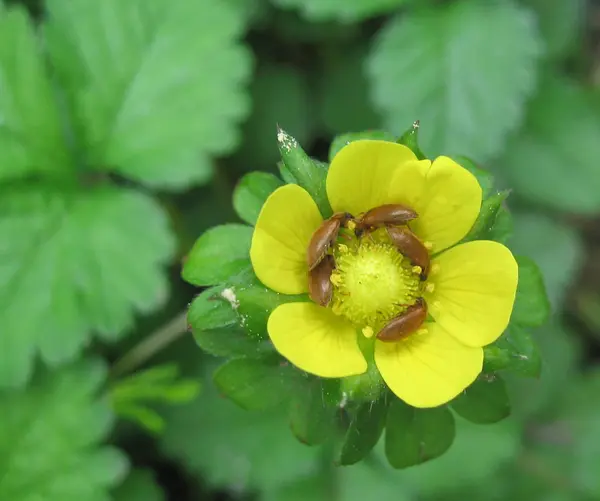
151	345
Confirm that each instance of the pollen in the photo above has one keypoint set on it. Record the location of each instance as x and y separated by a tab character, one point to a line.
373	283
368	332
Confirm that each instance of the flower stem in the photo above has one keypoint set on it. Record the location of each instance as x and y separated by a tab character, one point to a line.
151	345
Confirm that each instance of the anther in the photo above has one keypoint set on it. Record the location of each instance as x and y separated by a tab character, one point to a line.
351	225
335	278
368	332
343	248
417	270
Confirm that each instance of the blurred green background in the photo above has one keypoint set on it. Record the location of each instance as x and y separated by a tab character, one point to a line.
124	127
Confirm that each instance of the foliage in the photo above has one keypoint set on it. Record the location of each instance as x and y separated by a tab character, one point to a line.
128	129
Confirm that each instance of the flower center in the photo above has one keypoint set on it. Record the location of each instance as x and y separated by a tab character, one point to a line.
373	282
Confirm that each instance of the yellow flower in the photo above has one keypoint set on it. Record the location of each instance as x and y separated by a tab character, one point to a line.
470	290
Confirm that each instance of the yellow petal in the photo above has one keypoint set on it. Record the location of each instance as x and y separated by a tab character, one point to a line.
315	340
284	228
446	196
428	369
474	291
360	174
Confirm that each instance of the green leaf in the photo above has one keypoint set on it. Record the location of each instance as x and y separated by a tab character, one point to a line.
140	485
31	136
308	173
313	409
476	454
96	255
50	439
342	80
515	351
555	247
280	95
561	24
340	141
312	487
221	252
485	223
216	326
131	397
365	430
561	353
342	10
251	450
445	79
484	402
415	436
552	161
156	89
532	307
484	177
257	384
252	192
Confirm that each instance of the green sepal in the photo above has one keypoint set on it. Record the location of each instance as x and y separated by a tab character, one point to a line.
218	254
503	226
411	139
532	306
285	174
515	351
345	139
257	384
486	220
215	324
484	402
256	302
251	192
366	427
484	177
307	173
313	410
414	436
366	387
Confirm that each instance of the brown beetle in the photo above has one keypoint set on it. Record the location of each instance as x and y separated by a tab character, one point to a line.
409	245
404	324
384	215
325	236
320	288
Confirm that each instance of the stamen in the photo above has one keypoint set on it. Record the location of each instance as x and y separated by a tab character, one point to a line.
373	282
335	279
417	270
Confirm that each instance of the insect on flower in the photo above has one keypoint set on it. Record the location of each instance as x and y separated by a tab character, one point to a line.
401	279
